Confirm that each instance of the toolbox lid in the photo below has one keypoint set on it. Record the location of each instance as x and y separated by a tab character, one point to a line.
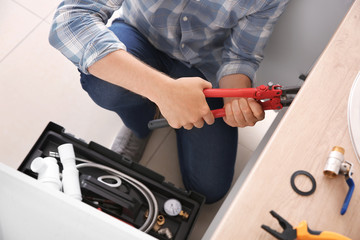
29	211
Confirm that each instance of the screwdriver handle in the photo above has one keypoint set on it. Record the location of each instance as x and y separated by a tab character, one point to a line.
158	123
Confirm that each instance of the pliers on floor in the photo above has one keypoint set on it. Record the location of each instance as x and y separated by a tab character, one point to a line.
276	98
301	232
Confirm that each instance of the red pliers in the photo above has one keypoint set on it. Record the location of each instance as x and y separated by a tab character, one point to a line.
271	97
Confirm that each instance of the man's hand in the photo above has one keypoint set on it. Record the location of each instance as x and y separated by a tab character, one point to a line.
183	103
240	112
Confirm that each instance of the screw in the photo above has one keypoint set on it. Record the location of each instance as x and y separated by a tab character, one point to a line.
270	85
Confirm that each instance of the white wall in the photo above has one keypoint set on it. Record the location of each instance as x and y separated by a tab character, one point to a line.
300	36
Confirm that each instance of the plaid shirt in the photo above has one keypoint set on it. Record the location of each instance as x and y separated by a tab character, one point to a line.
219	37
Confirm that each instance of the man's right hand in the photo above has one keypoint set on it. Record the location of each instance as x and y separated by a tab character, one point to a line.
183	103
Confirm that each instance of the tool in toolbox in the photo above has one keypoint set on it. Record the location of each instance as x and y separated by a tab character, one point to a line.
301	232
276	97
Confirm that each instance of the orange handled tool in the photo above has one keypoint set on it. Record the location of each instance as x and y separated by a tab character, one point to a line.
301	232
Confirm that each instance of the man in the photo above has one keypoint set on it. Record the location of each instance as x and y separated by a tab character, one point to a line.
161	55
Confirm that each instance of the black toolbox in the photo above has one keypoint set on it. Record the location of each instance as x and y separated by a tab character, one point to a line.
123	202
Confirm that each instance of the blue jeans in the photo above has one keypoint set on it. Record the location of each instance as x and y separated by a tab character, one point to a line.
206	155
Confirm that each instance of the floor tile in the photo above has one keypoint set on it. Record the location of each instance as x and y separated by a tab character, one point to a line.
50	17
39	85
165	159
14	29
250	137
242	157
157	138
41	8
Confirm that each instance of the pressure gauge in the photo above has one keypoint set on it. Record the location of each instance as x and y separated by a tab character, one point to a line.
172	207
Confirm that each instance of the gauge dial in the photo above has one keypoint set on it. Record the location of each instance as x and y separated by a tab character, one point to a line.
172	207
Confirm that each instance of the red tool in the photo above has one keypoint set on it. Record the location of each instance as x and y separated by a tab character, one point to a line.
276	98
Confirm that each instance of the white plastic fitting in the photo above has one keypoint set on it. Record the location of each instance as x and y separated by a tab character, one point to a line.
70	174
48	172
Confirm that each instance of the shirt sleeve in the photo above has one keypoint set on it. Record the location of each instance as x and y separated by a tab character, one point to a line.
79	32
243	50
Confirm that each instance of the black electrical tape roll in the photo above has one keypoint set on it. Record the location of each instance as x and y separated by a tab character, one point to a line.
307	174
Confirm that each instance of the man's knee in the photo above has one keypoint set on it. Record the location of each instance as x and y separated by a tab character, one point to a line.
107	95
213	189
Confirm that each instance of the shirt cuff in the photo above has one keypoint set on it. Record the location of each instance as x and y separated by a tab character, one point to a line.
236	68
93	54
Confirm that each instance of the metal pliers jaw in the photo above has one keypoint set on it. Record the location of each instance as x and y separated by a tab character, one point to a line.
288	95
289	232
275	97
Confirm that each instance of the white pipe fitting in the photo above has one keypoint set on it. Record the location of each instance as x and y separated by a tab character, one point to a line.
70	174
48	172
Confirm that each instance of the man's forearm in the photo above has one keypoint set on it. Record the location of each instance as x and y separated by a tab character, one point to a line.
181	102
235	81
123	69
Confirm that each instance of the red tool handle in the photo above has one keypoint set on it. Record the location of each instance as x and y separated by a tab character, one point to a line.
218	112
261	92
230	92
268	105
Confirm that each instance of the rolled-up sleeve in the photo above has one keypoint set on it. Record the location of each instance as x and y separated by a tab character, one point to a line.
79	32
243	50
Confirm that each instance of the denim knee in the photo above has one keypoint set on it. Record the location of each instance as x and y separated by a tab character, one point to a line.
134	110
108	95
213	189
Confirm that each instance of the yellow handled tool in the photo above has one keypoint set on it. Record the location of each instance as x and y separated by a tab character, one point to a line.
301	232
304	233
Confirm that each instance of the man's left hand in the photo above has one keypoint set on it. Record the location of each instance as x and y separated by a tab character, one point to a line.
242	112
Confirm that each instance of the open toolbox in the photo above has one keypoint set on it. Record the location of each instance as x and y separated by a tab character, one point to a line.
110	183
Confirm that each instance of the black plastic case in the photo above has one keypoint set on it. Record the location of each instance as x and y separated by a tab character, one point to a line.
132	207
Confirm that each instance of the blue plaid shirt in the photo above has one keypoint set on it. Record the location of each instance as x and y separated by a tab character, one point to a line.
219	37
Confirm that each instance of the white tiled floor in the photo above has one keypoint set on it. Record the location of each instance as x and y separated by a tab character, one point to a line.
39	85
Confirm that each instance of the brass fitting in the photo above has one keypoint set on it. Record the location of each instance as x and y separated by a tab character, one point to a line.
160	220
334	162
184	214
